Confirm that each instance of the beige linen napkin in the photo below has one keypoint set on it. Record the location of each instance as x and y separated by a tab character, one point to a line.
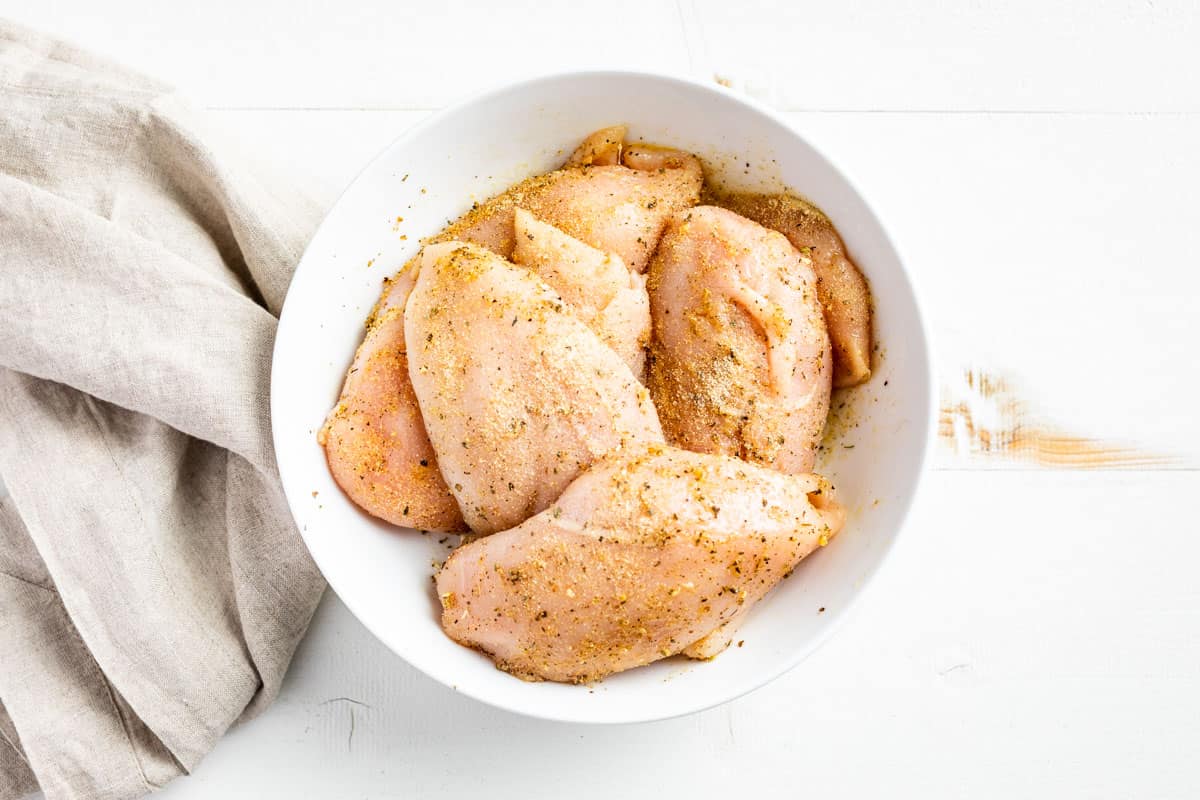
152	584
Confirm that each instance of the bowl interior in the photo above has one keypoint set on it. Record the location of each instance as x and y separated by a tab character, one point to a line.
468	153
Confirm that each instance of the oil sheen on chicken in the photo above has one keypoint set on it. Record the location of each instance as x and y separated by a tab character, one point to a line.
639	558
518	395
845	296
740	359
374	439
599	288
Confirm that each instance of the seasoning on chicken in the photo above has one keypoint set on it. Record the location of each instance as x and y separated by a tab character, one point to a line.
374	439
598	287
639	559
616	208
518	395
740	359
845	296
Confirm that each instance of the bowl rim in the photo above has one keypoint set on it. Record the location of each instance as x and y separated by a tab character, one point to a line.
839	615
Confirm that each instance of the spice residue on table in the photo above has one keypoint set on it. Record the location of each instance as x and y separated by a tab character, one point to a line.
983	415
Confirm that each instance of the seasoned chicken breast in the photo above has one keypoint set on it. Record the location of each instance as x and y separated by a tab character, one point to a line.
374	438
518	395
598	287
845	296
740	359
616	208
639	558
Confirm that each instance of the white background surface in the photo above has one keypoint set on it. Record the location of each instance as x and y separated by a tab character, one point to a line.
1038	631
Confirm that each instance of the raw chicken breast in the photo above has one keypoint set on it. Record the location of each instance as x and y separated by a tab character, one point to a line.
374	439
845	296
517	394
598	287
615	208
599	149
740	360
639	558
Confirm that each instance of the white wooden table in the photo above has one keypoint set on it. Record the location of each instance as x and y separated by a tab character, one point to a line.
1038	632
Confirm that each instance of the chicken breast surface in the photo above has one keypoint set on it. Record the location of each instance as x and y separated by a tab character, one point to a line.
740	359
639	558
600	148
518	395
845	296
599	288
374	439
616	208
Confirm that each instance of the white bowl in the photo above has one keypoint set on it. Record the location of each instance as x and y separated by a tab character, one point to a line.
471	151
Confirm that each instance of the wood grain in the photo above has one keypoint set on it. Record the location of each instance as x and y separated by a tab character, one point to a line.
1115	56
1025	56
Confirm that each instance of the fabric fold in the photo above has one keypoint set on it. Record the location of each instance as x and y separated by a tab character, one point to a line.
152	584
